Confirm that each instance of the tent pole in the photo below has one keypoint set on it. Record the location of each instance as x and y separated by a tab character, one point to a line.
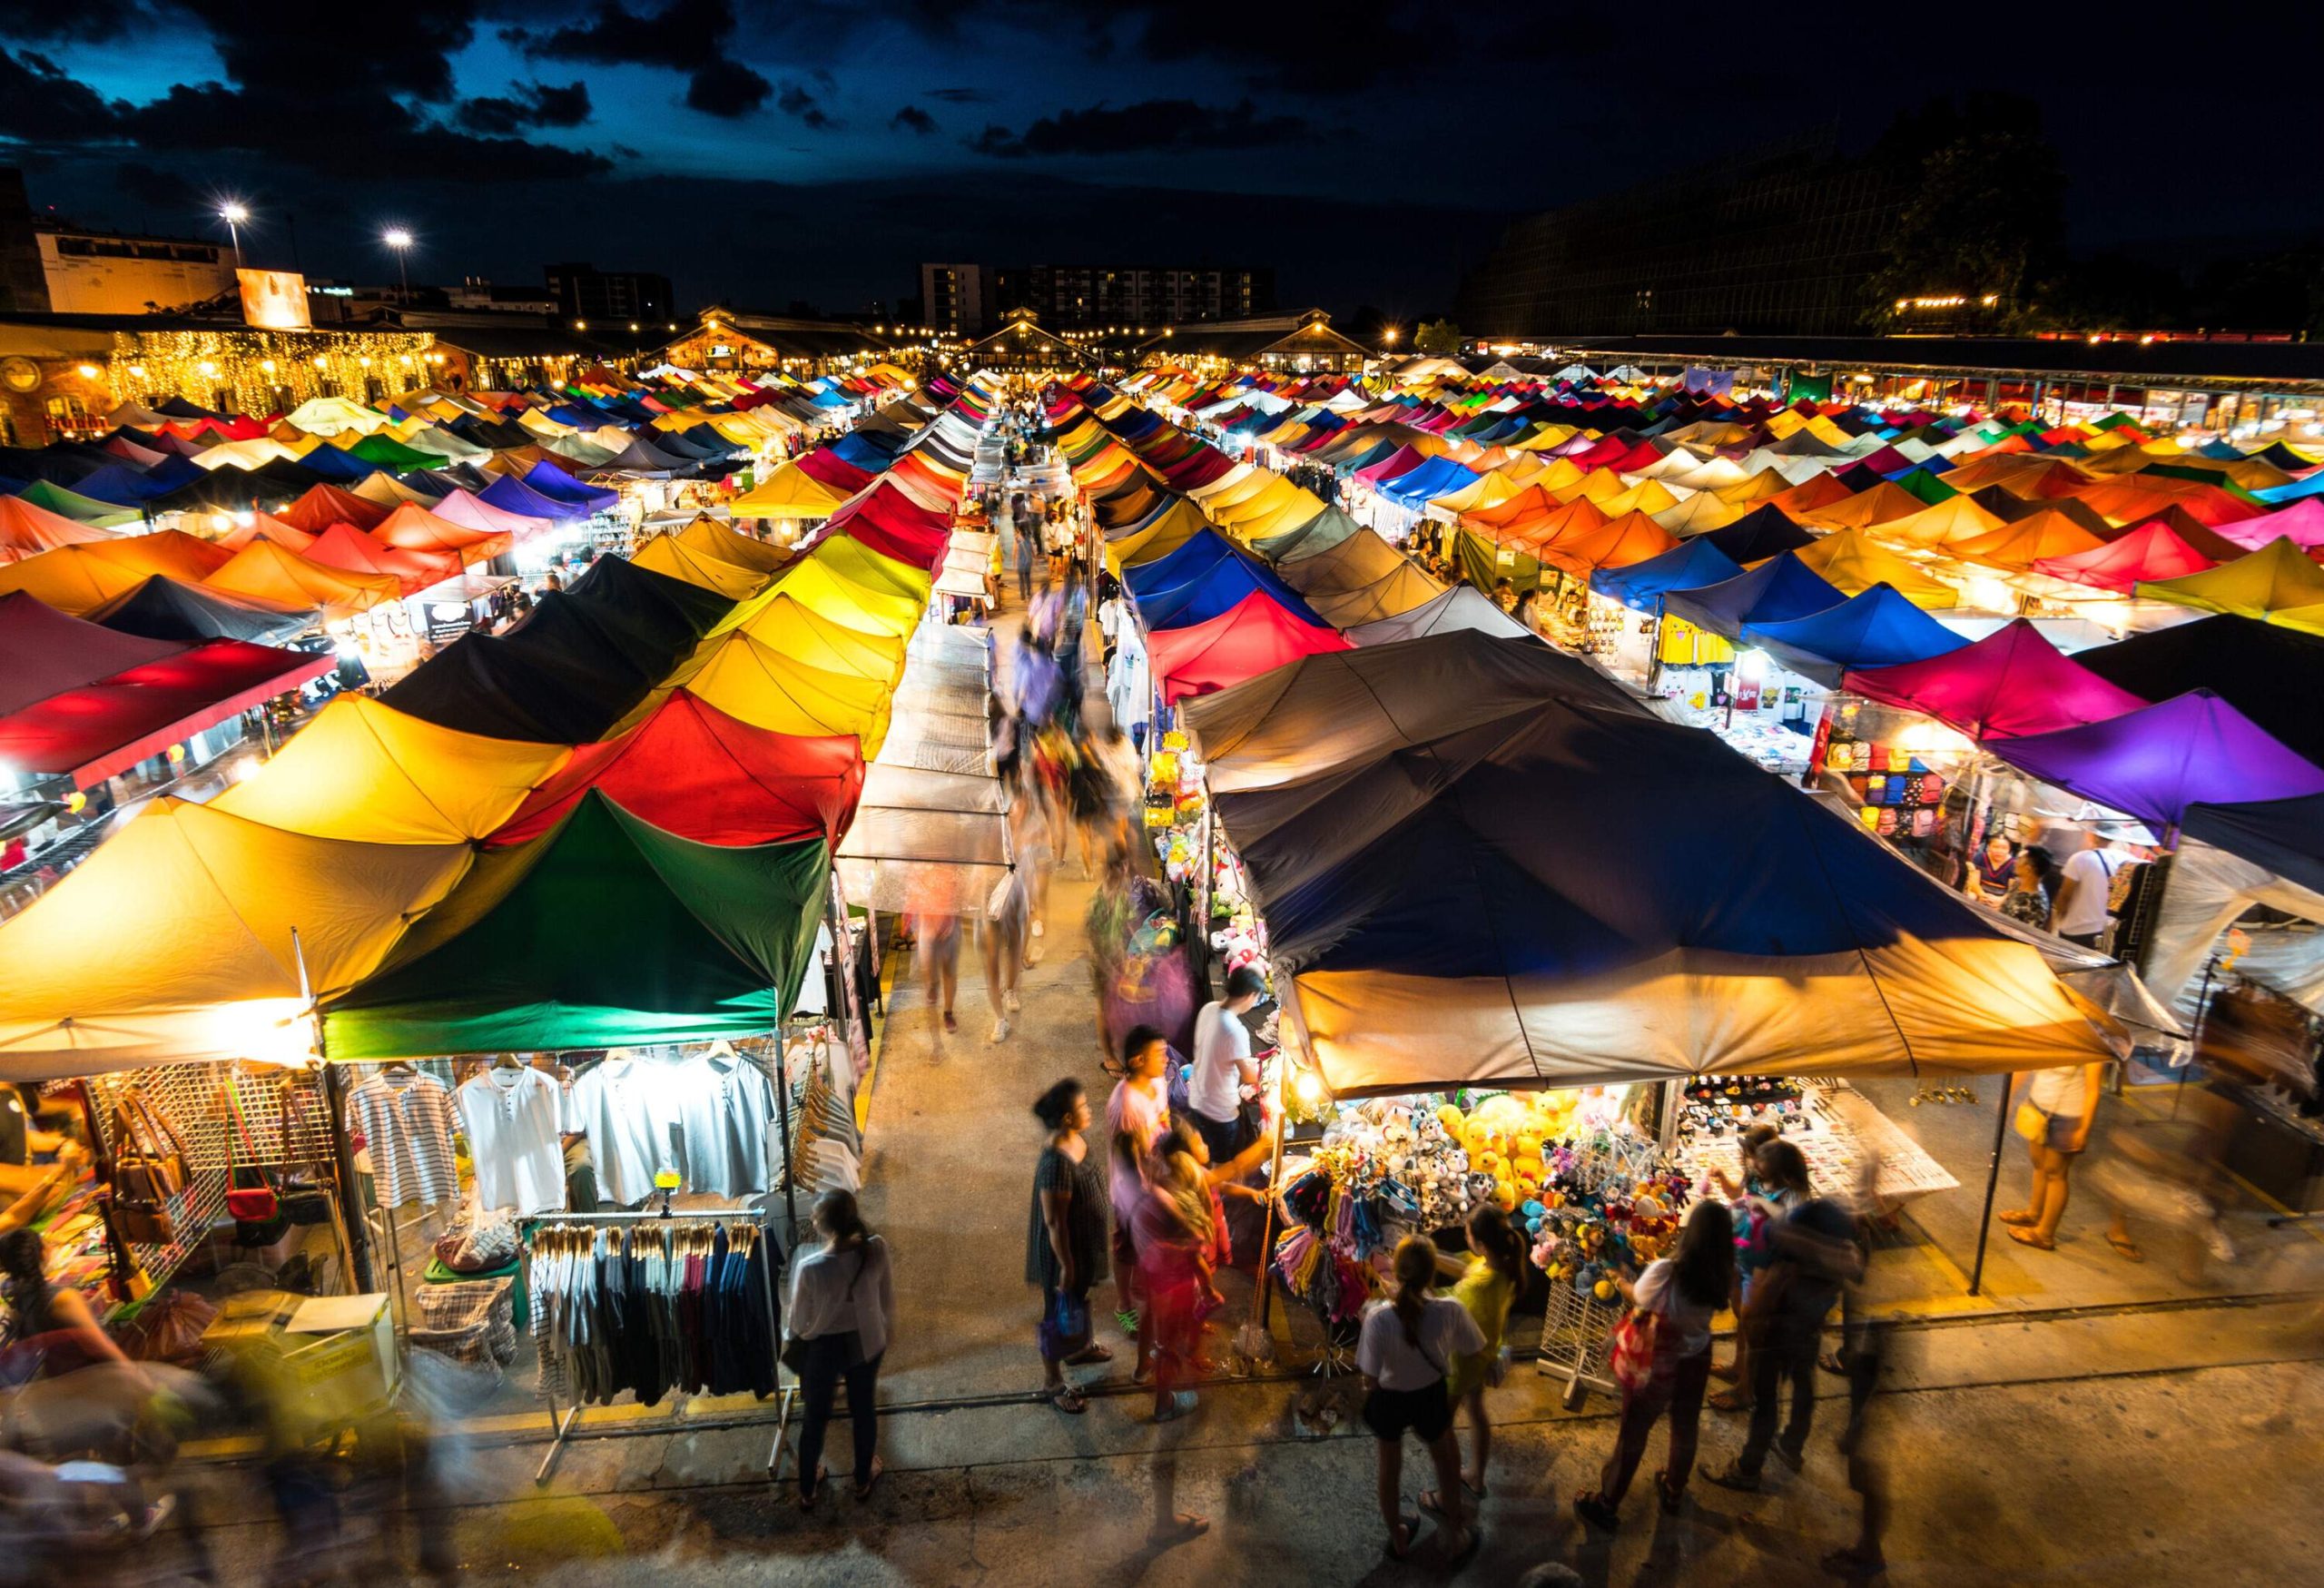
782	1124
1993	1181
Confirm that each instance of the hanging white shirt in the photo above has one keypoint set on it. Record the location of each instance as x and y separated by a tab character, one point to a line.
624	1106
514	1119
724	1104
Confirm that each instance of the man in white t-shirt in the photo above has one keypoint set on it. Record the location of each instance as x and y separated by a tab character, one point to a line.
1223	1069
2080	912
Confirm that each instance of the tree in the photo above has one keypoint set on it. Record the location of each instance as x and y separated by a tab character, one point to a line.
1441	337
1984	208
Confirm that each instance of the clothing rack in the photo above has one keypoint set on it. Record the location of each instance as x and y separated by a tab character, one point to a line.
561	1426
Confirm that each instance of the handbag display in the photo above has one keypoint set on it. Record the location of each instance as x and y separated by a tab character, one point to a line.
148	1156
303	1201
247	1204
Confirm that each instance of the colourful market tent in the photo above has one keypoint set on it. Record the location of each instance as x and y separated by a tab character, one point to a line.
666	554
44	652
1522	916
2154	762
1854	562
783	625
746	678
1300	722
790	492
172	941
1876	628
75	578
1249	638
2150	554
1781	588
2272	674
1689	565
604	931
54	498
2278	577
27	529
366	773
275	576
2283	836
1464	606
692	771
2010	683
100	729
708	535
163	608
1316	535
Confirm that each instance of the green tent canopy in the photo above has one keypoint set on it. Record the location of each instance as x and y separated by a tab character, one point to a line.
603	931
73	505
1485	564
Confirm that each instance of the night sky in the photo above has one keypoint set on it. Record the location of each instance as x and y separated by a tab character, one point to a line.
1367	151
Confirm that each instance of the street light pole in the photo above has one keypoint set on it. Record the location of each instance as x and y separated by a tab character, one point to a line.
234	214
397	238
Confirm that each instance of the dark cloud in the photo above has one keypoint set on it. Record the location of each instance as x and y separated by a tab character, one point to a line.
39	103
795	102
692	36
913	119
726	89
527	104
44	22
1149	125
958	95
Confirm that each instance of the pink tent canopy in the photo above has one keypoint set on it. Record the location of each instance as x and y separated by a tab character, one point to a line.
2010	683
2303	521
1253	636
2151	552
470	512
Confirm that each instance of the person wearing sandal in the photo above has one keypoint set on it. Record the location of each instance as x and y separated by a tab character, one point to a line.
841	1297
1685	1289
1402	1351
2055	1119
1066	1246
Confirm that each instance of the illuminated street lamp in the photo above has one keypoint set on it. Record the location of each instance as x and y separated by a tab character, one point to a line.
397	238
234	214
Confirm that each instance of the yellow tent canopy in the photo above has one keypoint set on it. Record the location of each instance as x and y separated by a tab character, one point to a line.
1883	504
367	774
172	941
1943	526
1176	525
263	571
664	554
709	537
754	681
2277	582
785	624
1487	490
1647	496
852	560
1700	514
790	492
839	600
1855	562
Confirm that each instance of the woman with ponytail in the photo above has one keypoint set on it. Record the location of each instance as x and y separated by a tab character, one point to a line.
1407	1343
1487	1287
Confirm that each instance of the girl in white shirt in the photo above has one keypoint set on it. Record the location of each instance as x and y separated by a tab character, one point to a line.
841	1297
1404	1348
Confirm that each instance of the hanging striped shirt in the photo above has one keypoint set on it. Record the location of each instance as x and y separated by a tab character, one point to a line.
408	1129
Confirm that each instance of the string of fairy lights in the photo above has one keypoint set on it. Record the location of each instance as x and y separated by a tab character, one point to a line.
238	370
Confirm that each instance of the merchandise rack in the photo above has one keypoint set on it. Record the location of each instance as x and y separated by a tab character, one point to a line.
193	1098
561	1426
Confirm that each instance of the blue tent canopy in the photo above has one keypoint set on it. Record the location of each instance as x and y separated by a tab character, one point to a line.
1378	452
2285	836
557	486
511	494
1689	566
1217	590
1878	628
1203	551
1779	588
1432	479
858	449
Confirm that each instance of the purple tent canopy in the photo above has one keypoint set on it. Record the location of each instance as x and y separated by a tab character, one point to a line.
2011	682
2153	762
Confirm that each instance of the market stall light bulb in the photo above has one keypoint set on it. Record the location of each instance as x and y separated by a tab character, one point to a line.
1309	1088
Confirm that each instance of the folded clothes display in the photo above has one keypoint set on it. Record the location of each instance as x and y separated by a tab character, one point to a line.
678	1307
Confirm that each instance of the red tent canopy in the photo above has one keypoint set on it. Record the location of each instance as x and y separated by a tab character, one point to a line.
2009	683
692	770
343	546
325	504
827	466
413	528
91	733
1253	636
890	522
42	652
2151	552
